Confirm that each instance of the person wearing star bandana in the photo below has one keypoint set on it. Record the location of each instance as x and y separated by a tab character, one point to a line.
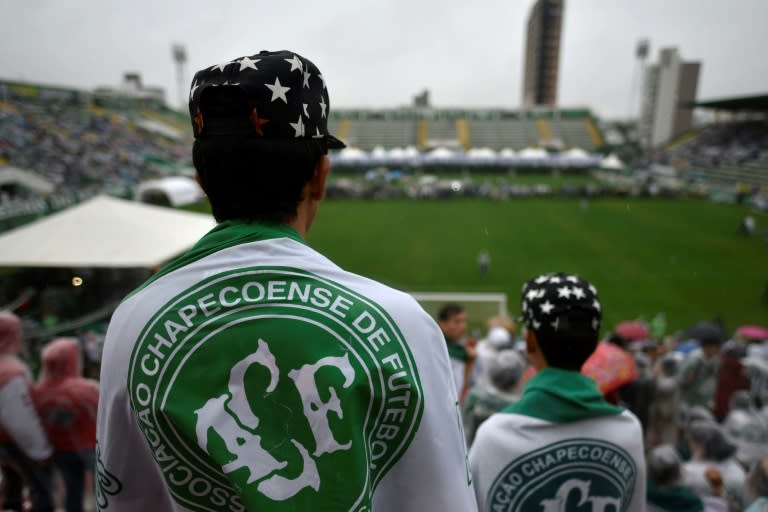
252	373
561	447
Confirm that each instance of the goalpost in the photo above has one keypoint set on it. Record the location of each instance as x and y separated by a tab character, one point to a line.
479	306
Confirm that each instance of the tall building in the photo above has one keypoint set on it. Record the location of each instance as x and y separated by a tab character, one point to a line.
542	53
668	87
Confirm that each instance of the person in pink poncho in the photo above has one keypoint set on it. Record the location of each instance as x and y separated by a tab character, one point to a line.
67	404
25	452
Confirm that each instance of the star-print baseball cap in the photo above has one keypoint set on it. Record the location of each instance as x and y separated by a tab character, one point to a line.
286	95
548	298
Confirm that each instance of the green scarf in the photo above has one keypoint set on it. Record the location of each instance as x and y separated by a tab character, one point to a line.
674	499
226	234
562	396
457	351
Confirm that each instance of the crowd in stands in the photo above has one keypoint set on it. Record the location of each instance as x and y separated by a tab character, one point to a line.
722	145
701	398
82	148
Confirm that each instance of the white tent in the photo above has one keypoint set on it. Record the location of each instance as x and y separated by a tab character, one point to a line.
104	232
177	190
611	162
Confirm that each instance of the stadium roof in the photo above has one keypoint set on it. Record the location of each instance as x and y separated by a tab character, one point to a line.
753	103
104	232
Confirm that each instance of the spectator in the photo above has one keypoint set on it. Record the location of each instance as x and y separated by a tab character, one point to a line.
699	376
747	428
499	337
25	452
253	373
531	456
757	481
665	491
710	448
493	395
452	320
665	407
67	404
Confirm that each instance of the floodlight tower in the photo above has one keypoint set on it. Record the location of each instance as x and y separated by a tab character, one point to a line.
180	58
638	75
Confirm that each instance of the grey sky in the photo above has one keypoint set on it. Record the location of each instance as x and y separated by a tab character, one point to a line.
380	53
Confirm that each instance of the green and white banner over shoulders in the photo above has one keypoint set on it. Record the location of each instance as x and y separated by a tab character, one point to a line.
254	374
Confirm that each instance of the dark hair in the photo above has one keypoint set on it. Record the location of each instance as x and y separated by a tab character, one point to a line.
449	311
572	343
244	176
712	439
758	479
664	466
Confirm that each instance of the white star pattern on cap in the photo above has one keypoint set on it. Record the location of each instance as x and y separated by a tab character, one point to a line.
541	293
532	294
246	62
321	78
295	63
317	134
278	91
298	126
554	279
564	292
305	109
572	279
194	88
221	66
306	78
596	305
578	292
547	307
541	279
595	323
322	107
556	324
536	324
593	290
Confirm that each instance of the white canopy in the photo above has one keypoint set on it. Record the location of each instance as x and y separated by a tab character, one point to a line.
179	190
104	232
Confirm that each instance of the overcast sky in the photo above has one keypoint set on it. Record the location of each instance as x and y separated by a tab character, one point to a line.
379	53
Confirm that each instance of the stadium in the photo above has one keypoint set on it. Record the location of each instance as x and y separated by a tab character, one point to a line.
665	212
487	168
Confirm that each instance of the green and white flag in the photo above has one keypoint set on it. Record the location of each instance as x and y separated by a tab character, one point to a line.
255	374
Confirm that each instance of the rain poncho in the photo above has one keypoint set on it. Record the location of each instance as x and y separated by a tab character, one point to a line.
18	419
67	403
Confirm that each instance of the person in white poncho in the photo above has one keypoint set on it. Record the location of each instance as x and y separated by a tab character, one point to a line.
561	447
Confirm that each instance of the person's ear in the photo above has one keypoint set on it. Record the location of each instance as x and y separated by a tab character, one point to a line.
319	179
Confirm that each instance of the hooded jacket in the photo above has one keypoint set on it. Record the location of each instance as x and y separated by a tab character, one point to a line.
66	402
19	422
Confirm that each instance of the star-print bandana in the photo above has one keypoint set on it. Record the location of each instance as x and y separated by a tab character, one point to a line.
548	297
287	97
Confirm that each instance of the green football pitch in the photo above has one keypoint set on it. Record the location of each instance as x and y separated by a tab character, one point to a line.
684	258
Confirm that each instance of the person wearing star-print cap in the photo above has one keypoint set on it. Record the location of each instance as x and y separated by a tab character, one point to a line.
252	373
561	447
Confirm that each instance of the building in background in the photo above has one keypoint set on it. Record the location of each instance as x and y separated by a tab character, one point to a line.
132	93
669	88
542	53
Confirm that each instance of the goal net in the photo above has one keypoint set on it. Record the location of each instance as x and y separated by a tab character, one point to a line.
479	306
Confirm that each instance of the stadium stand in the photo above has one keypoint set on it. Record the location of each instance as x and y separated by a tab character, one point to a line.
734	151
496	129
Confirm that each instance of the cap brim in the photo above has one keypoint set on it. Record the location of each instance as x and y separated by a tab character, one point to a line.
333	142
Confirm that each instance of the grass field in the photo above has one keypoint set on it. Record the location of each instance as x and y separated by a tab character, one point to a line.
681	257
